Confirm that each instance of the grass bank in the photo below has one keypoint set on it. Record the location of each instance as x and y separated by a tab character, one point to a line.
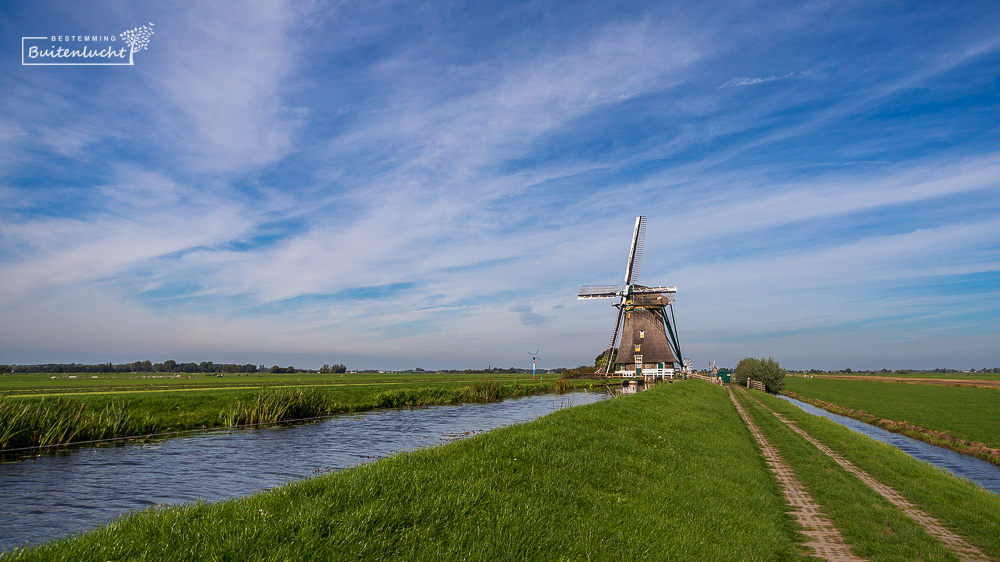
671	473
878	530
44	422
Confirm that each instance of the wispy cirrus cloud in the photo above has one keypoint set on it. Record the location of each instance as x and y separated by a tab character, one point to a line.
312	177
745	81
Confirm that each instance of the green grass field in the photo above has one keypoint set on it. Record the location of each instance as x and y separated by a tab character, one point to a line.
667	474
40	411
964	412
23	385
953	376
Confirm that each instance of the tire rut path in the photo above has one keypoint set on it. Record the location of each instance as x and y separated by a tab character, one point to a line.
822	537
950	539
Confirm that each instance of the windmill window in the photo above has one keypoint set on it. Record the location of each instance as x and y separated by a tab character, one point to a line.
642	334
637	346
638	359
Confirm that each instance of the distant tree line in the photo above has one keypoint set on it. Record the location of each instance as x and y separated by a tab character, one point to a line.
169	366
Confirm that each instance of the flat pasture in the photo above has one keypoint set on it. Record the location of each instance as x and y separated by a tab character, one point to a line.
37	384
905	375
963	412
985	380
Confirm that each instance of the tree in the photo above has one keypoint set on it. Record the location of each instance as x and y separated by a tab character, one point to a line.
581	371
601	359
768	371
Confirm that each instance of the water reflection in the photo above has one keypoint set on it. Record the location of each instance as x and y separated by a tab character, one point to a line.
979	471
628	387
52	496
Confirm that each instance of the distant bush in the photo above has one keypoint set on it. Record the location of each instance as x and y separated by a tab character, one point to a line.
581	372
767	371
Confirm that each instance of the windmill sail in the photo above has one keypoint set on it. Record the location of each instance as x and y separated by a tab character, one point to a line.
635	251
598	292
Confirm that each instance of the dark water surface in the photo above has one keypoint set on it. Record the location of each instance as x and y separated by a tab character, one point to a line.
56	495
979	471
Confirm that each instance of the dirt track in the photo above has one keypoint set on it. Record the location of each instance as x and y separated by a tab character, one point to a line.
932	526
824	540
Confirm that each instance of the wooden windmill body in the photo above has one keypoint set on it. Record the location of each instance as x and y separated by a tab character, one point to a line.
649	346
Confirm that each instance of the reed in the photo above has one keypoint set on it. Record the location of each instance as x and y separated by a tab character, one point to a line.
42	423
562	386
272	405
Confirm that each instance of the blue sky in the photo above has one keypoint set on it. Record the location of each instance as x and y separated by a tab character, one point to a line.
394	185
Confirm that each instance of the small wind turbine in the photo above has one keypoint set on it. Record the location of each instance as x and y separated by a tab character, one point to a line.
534	356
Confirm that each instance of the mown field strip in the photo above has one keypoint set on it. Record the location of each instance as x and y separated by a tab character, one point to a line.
196	389
824	540
954	542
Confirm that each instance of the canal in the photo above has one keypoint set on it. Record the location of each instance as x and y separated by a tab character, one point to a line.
55	495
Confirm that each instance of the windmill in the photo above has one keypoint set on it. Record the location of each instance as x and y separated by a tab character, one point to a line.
649	345
534	356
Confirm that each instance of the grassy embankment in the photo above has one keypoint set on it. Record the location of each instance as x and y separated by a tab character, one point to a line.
960	418
41	411
671	473
878	530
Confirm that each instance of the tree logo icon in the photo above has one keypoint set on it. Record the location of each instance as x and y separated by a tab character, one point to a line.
137	39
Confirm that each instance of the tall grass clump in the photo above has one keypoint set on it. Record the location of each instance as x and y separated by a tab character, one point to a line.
562	386
43	423
479	391
415	397
272	405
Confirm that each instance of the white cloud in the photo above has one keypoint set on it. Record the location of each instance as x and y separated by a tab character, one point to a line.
226	72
